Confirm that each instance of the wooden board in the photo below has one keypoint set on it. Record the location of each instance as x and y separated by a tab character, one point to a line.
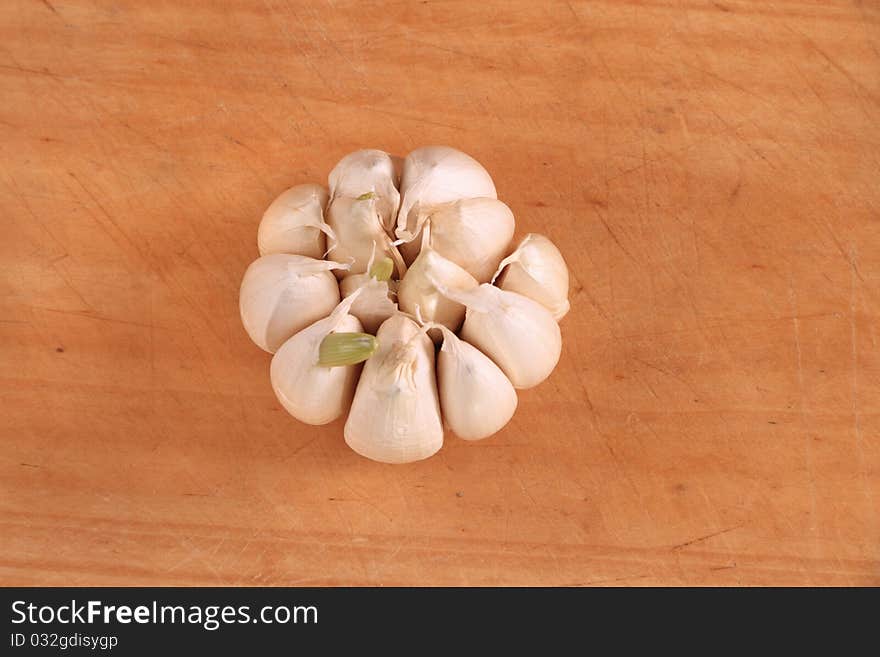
709	169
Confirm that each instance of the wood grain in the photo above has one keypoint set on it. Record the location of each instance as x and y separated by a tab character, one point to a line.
710	170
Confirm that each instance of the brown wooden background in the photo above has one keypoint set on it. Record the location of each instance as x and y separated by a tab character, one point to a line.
710	170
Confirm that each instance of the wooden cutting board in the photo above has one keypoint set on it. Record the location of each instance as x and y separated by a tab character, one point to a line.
709	170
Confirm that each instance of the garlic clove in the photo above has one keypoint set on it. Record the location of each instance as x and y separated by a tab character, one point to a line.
476	398
434	175
376	301
309	391
368	170
294	223
418	291
282	293
519	334
395	415
473	233
536	269
359	233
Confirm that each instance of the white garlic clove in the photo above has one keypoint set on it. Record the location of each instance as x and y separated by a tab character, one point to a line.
476	398
434	175
395	415
359	234
473	233
537	270
376	301
294	223
364	171
310	392
281	294
519	334
418	291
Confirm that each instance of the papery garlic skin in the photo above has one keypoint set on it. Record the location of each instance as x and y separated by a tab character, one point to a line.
418	292
519	334
376	301
395	415
308	391
294	223
476	398
368	170
434	175
281	294
536	269
359	234
473	233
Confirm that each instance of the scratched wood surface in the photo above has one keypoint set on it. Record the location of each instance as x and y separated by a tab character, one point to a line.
710	170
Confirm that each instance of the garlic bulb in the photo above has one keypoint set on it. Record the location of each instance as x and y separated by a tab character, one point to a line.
359	233
473	233
416	245
281	294
476	398
537	270
309	391
418	291
365	171
519	334
395	415
434	175
376	301
294	223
